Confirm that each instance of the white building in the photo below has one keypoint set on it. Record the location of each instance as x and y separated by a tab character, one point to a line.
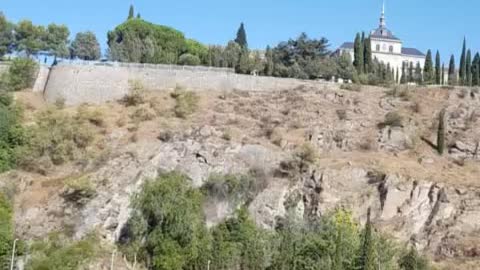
388	49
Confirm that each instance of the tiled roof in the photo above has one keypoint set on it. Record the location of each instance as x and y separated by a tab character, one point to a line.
347	45
412	51
383	33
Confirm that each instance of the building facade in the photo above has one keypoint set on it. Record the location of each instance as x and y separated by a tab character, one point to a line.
387	48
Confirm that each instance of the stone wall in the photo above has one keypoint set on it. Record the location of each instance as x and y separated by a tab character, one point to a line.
101	82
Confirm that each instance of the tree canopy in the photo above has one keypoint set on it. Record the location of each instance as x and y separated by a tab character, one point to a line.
85	46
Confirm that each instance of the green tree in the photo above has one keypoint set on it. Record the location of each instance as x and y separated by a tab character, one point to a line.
418	74
468	64
411	77
6	230
241	38
476	70
19	76
57	39
85	46
269	65
441	132
358	54
411	260
428	72
368	55
452	73
168	225
438	69
187	59
30	38
403	78
367	253
232	54
443	73
131	12
6	37
463	65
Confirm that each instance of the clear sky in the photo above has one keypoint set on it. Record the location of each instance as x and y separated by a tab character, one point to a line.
424	24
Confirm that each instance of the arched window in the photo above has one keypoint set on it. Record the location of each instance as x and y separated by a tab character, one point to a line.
390	49
378	47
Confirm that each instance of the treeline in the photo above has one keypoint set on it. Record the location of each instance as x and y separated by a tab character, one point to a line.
28	38
168	231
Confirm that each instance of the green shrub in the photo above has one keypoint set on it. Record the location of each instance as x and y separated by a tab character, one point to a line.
6	230
136	94
56	138
233	187
392	119
57	252
12	134
186	102
351	87
189	60
79	189
21	75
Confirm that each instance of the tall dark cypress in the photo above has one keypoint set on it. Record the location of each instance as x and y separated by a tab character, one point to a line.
428	68
476	70
443	73
410	73
403	78
463	66
418	74
241	38
367	256
452	73
131	12
358	54
397	76
438	74
367	55
468	64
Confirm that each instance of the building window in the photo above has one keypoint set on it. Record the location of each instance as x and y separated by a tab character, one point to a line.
378	47
390	48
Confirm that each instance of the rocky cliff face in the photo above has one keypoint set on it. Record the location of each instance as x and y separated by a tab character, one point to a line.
415	195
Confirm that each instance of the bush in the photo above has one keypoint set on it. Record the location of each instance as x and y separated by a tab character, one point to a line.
78	189
351	87
21	75
234	187
189	60
57	252
12	134
392	119
6	230
186	102
55	139
306	153
136	94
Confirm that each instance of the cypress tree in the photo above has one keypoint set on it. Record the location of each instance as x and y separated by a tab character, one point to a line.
403	78
367	55
367	257
443	74
463	66
476	70
396	76
418	74
428	68
131	12
241	38
452	76
441	132
358	54
438	74
410	73
139	16
468	64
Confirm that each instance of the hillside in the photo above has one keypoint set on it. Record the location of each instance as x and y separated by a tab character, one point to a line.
311	149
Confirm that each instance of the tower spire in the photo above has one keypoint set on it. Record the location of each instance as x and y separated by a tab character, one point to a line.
383	24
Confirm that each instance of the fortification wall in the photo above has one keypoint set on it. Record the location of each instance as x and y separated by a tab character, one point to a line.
78	84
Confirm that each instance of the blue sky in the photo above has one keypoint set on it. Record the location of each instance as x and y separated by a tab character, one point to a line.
424	24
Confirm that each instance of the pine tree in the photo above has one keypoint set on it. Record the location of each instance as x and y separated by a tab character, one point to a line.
441	132
438	74
468	81
367	257
241	38
418	74
131	12
428	68
452	76
367	61
358	54
476	70
463	66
